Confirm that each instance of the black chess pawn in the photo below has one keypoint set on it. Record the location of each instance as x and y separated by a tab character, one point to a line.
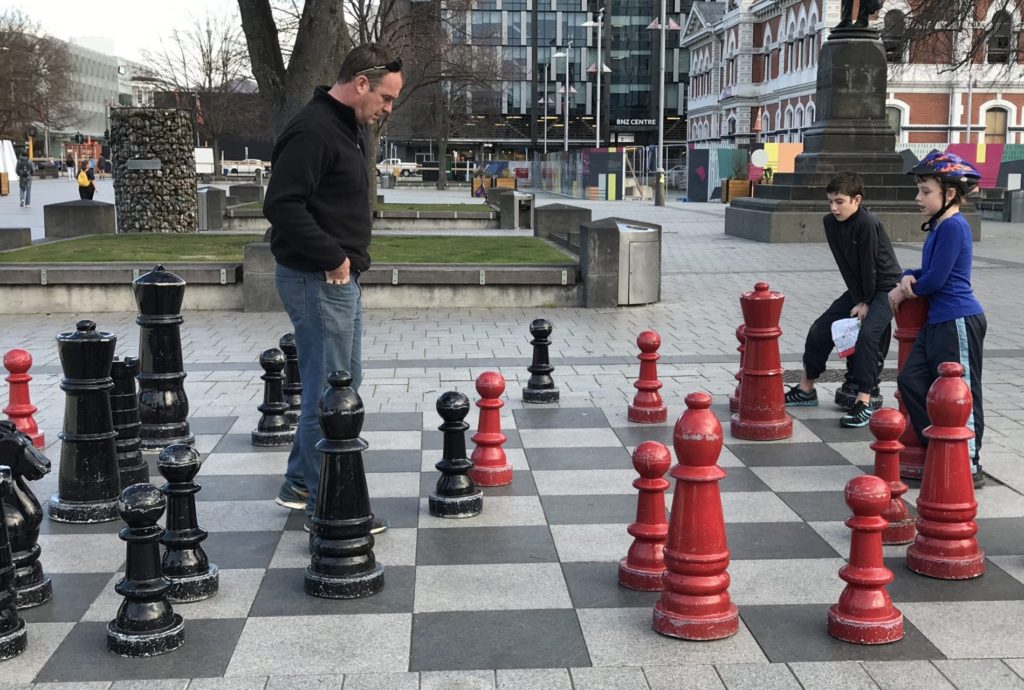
343	565
23	515
163	405
540	388
146	624
89	481
12	628
273	428
185	564
292	380
124	410
455	495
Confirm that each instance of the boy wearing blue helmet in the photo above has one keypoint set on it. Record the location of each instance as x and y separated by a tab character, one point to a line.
955	330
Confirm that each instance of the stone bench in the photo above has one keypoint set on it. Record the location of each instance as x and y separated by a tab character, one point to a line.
560	223
78	218
15	238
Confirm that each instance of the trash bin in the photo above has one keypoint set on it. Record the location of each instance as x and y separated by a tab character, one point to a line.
516	209
620	260
387	181
212	202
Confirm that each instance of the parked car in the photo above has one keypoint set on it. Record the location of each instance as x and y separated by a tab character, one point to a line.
249	166
395	166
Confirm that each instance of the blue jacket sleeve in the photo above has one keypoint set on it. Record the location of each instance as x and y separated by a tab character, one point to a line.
947	250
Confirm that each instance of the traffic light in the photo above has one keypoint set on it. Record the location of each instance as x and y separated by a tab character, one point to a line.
78	138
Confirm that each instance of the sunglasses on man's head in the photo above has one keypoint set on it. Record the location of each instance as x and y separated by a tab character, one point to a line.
393	66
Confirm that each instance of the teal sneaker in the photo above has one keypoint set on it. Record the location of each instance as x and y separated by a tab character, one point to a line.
858	416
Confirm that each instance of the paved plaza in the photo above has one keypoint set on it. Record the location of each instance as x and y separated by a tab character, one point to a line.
524	596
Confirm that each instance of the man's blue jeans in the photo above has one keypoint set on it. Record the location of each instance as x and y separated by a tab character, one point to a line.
25	191
328	323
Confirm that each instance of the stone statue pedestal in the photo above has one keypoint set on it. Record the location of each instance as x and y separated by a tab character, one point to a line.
850	133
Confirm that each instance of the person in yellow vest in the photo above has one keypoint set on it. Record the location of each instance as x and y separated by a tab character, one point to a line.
86	181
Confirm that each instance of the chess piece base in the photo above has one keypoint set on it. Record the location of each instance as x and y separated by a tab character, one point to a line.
146	644
902	532
194	587
491	476
82	513
734	404
456	506
912	462
34	594
355	587
13	643
945	568
540	396
697	627
640	579
761	431
267	439
648	415
863	631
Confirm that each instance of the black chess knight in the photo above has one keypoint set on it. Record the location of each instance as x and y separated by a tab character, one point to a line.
13	639
867	8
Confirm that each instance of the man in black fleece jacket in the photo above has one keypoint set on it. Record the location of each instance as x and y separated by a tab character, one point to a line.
318	205
866	261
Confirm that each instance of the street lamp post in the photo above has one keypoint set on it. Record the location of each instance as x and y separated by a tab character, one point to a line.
659	194
547	70
600	69
565	109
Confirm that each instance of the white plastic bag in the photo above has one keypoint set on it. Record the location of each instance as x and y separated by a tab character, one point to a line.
844	335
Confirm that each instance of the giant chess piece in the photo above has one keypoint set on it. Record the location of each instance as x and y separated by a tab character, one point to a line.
886	425
13	639
540	388
23	515
947	546
490	465
146	624
865	614
734	399
910	319
762	415
455	495
292	380
343	565
90	480
273	429
163	405
185	564
644	564
124	410
648	406
19	403
695	603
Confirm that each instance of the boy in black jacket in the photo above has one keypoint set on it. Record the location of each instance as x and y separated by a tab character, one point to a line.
869	268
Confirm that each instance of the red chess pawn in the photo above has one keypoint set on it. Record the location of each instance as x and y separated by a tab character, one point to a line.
946	546
695	603
644	565
490	466
20	408
910	319
865	614
648	407
734	399
887	424
762	414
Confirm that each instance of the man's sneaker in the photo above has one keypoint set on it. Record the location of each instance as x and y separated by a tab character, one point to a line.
292	496
858	417
876	399
379	525
796	397
977	475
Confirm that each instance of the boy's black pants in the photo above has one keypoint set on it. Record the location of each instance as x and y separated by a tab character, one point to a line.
875	327
960	340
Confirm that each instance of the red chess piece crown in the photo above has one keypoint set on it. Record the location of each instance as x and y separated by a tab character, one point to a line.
20	408
695	603
644	565
947	546
865	614
887	425
910	319
648	407
490	466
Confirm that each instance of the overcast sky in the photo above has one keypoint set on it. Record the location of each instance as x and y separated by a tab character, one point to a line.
128	26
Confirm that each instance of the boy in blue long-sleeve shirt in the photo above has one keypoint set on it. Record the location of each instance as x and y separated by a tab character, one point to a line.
955	330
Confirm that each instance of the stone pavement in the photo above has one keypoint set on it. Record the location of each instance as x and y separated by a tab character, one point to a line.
412	356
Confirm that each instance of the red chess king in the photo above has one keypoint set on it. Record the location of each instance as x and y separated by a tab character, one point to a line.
20	408
695	603
490	466
762	415
887	425
644	565
865	614
946	546
734	399
648	407
910	318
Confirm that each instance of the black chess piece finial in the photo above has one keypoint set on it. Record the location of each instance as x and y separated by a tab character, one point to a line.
124	410
343	565
146	624
185	564
89	481
23	514
540	388
456	496
13	639
273	428
292	380
163	404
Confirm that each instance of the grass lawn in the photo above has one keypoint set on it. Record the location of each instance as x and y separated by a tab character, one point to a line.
102	249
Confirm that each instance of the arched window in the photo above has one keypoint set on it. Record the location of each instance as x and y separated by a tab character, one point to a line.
995	125
766	123
1000	39
895	118
894	35
789	117
799	117
732	126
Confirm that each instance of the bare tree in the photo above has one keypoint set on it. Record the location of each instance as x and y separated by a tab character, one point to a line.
37	70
